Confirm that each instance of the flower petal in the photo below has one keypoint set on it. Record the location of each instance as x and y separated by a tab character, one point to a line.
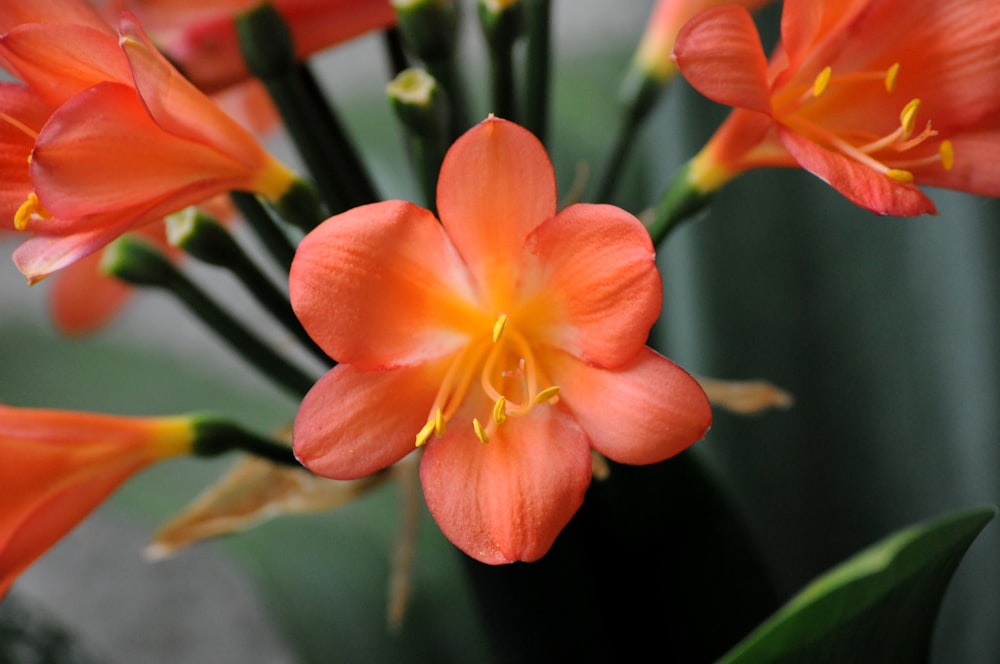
496	185
353	423
41	255
381	286
82	299
719	53
591	283
178	107
17	12
106	129
644	412
22	115
60	60
507	500
859	183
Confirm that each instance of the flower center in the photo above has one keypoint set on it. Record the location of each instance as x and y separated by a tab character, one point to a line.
883	153
509	378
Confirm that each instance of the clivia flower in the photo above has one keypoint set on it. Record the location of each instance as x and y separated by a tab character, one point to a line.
873	96
200	36
506	341
58	466
128	139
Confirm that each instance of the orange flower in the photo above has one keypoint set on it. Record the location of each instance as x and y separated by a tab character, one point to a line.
58	466
872	96
665	21
129	140
200	35
507	341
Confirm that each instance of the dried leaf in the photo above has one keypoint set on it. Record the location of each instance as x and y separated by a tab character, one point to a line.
253	491
746	397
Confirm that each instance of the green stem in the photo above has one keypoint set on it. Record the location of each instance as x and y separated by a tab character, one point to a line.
206	240
309	117
265	227
680	202
138	263
398	61
214	436
538	16
502	26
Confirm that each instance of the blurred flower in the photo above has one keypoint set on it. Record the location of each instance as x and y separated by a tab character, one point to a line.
58	466
667	18
129	140
199	36
872	96
506	341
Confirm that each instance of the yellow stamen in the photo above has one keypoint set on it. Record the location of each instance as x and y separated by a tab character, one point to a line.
438	422
822	80
547	394
28	209
899	175
500	411
947	154
499	327
890	77
480	431
425	433
908	116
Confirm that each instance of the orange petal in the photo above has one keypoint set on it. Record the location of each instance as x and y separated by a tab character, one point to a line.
380	285
507	500
861	184
645	412
353	423
60	60
22	115
496	185
805	23
592	283
17	12
106	130
178	107
82	299
720	54
41	255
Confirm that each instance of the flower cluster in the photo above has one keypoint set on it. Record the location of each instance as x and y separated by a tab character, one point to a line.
492	337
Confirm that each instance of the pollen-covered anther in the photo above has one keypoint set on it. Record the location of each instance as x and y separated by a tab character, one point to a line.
548	394
946	151
499	327
480	431
425	433
899	175
908	116
822	81
29	209
890	77
500	410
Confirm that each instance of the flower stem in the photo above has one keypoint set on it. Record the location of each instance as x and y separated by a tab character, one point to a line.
681	201
265	226
501	27
309	116
205	239
138	263
538	18
419	103
214	436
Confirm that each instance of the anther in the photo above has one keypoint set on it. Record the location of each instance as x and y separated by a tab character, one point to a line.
908	116
890	77
480	431
899	175
500	411
547	394
438	422
499	327
425	433
822	80
29	208
947	153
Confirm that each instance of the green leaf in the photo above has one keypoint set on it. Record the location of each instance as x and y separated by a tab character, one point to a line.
878	606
